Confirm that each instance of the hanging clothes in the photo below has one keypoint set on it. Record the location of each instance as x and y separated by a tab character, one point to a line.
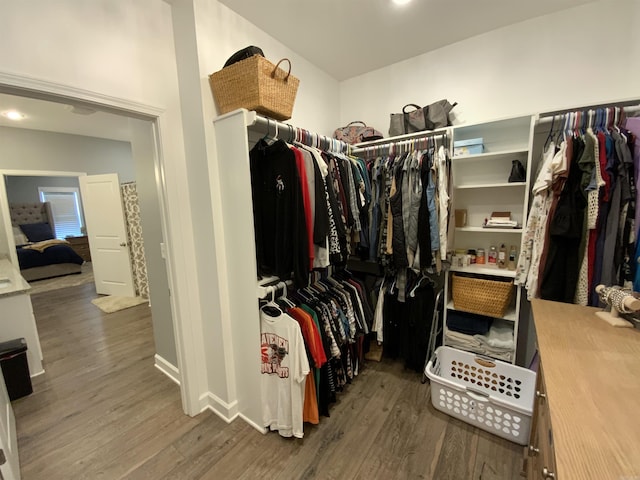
581	227
282	245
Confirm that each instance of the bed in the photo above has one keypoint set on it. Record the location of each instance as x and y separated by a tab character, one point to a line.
33	227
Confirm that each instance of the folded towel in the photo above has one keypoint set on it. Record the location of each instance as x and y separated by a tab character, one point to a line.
499	336
43	245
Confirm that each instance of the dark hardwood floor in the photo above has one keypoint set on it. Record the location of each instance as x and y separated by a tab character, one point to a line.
102	411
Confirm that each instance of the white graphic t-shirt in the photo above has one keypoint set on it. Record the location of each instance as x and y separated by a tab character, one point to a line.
284	367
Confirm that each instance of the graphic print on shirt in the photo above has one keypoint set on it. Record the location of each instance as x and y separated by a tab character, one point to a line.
273	351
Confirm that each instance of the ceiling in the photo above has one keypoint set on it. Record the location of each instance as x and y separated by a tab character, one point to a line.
346	38
59	117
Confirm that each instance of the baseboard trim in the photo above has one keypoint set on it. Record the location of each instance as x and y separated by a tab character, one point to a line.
226	411
167	368
253	424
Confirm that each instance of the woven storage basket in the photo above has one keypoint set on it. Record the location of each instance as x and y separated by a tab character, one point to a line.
481	296
255	84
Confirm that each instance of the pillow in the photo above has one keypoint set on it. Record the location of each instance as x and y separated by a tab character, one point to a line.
36	232
19	237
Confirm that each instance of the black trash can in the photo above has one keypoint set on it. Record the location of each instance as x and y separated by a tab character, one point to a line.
15	368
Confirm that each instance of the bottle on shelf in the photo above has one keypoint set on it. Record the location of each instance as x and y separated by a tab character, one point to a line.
493	256
513	255
502	257
480	258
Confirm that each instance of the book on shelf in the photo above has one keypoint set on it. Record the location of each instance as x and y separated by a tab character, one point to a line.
500	220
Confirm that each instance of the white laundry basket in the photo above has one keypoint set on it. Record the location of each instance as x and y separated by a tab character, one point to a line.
493	395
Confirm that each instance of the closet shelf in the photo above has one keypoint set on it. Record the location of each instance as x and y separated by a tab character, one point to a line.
485	270
489	230
491	185
510	315
484	156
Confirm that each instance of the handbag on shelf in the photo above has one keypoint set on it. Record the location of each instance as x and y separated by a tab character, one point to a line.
518	173
243	54
356	132
435	115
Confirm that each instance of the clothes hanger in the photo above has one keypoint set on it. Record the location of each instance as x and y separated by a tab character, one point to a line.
284	297
617	113
393	286
291	133
271	308
589	119
549	137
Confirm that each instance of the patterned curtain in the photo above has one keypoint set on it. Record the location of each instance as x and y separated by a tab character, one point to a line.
134	234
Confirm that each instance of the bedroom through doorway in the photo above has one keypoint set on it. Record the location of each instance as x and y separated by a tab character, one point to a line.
65	145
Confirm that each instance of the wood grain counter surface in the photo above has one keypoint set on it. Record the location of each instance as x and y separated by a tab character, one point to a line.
592	379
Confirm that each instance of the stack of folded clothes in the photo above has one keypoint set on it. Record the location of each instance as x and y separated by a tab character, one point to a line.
480	334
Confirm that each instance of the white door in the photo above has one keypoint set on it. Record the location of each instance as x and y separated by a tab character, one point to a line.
104	215
9	463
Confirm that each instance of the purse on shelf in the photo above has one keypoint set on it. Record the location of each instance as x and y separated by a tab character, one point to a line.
435	115
518	173
356	132
243	54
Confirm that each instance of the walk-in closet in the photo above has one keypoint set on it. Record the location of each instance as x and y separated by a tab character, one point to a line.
451	296
413	283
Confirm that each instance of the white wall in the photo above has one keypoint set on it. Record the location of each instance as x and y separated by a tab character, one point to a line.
24	149
125	50
582	56
150	218
221	32
206	34
25	189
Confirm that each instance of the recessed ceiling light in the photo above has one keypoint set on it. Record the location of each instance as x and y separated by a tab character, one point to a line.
401	2
13	115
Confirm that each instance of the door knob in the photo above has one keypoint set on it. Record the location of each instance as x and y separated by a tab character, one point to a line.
123	244
547	475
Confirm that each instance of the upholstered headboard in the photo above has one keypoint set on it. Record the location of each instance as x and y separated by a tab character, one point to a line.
22	213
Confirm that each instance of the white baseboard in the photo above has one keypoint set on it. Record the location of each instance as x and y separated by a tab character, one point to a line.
226	411
253	424
167	368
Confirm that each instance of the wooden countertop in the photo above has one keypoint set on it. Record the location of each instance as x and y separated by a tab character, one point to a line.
592	379
11	281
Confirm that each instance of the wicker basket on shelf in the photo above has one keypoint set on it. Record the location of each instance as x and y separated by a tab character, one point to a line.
481	295
256	84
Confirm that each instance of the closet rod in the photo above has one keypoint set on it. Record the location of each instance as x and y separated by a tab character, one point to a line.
400	141
398	138
301	135
271	285
548	117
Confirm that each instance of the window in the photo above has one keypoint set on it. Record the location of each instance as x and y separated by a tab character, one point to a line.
66	210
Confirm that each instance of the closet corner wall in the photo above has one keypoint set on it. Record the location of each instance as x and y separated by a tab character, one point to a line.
237	268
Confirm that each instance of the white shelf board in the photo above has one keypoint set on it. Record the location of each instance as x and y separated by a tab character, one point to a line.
510	315
499	153
492	185
484	269
489	230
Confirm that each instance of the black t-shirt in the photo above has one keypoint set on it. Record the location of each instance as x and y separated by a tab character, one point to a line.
278	212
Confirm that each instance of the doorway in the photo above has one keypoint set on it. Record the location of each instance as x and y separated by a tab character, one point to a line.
140	166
